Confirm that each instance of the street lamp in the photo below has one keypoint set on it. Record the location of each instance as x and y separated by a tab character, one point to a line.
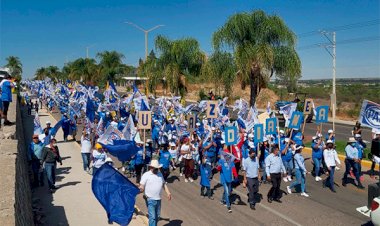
88	48
146	34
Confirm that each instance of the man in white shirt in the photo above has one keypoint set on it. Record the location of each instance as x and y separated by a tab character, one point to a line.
151	184
86	146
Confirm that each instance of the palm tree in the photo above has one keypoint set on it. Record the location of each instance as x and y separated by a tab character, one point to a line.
262	45
150	69
53	73
220	69
179	58
84	69
41	73
15	65
111	64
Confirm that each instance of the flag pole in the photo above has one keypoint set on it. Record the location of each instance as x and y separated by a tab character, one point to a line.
144	146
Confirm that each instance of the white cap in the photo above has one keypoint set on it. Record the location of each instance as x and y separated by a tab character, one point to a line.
329	142
197	124
319	135
212	128
250	135
314	137
172	144
108	159
48	122
298	147
155	121
251	144
222	142
287	139
265	139
139	142
358	135
282	131
148	140
330	131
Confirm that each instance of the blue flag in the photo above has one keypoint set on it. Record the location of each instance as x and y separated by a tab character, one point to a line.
122	149
116	194
90	110
56	127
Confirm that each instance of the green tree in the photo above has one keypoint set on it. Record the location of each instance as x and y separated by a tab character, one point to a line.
84	69
221	71
262	45
41	73
111	64
150	69
54	73
177	59
15	65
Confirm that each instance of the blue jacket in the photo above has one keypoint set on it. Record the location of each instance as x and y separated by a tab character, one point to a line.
317	152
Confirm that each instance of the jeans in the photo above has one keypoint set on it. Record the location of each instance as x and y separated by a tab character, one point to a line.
154	211
288	166
275	192
138	169
165	173
226	193
50	173
351	163
262	164
38	174
86	160
300	180
207	193
330	179
317	166
253	188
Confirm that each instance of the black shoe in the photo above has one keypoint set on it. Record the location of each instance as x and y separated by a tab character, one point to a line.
278	200
270	200
344	184
211	198
333	190
252	206
360	186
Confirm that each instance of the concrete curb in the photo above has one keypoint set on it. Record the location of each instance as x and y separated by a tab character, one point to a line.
365	163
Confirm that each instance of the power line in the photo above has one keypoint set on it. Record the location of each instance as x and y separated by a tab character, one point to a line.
341	28
343	42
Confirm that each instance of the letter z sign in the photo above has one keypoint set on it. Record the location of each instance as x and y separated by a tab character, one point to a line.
212	109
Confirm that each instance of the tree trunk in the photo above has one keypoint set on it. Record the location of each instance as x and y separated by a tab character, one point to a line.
253	86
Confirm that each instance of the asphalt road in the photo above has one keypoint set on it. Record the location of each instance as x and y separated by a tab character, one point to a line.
322	207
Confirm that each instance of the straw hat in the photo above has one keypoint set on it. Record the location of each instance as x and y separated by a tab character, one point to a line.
155	164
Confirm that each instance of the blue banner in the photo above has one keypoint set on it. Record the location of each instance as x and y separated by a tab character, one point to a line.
322	114
259	133
271	126
230	135
116	194
296	120
370	114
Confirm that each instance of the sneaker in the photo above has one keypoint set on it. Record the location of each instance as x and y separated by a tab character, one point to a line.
316	179
186	180
289	190
191	180
285	179
211	198
229	210
289	178
360	186
304	194
252	207
180	174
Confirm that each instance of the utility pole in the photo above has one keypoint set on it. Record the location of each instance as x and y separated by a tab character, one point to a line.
328	48
87	48
146	34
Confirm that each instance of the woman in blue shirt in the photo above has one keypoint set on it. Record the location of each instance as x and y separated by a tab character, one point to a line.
165	159
317	147
287	157
299	165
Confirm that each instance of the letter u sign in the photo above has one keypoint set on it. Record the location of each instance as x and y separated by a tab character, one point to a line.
145	119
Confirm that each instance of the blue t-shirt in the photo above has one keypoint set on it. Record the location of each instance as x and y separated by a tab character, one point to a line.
6	90
288	155
165	158
317	152
205	175
226	172
139	158
211	152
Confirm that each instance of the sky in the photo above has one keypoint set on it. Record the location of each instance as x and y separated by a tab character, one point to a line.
51	32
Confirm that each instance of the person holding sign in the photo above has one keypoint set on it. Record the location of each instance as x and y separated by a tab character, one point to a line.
287	158
273	168
317	154
299	165
228	172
